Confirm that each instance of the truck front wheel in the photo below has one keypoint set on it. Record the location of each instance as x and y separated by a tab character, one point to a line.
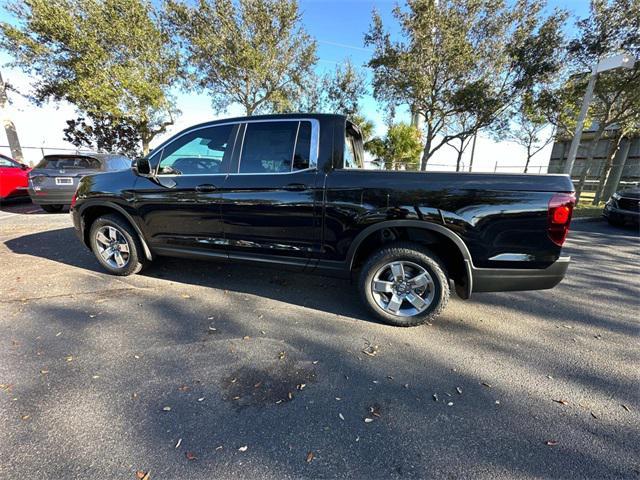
404	284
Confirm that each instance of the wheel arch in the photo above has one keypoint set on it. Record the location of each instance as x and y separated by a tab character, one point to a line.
90	211
449	247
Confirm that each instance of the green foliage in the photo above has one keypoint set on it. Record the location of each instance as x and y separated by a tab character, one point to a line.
462	57
109	58
251	52
400	149
104	134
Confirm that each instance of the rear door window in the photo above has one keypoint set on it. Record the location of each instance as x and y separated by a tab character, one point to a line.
268	147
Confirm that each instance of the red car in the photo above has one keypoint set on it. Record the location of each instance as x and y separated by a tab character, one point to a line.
14	178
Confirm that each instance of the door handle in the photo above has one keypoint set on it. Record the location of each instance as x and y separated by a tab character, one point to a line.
295	187
205	188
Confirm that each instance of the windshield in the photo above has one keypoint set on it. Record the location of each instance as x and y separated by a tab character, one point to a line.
70	162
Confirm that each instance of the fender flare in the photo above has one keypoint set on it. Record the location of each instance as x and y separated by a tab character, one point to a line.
114	206
464	292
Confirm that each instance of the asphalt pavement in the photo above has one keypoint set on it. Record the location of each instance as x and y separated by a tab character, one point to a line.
196	370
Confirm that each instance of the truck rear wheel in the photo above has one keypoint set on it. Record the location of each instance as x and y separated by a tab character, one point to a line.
404	285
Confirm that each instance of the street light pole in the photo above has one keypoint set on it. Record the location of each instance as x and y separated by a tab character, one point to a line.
610	63
575	142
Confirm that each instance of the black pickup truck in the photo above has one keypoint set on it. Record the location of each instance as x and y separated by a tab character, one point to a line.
290	191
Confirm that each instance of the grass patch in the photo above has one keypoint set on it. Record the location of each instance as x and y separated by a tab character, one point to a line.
586	209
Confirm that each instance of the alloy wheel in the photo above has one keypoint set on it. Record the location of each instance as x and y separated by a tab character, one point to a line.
402	288
112	246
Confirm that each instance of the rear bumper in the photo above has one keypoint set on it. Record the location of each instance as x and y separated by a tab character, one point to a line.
51	197
514	279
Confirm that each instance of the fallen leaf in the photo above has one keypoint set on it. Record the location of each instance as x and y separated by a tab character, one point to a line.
551	443
497	402
190	456
69	358
435	397
310	456
485	384
184	295
406	385
134	396
281	355
315	362
219	447
450	404
213	329
237	397
625	407
263	332
58	334
375	411
368	420
234	380
166	409
246	337
371	351
278	401
290	396
25	417
301	386
201	399
140	475
95	377
44	372
257	385
178	443
341	416
459	390
184	388
561	402
593	415
243	449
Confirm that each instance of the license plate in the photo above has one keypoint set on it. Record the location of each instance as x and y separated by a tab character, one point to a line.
64	181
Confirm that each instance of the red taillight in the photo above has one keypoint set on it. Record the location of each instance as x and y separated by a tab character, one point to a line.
559	216
74	198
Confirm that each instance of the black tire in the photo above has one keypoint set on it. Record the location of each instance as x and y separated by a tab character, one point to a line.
52	208
136	259
412	254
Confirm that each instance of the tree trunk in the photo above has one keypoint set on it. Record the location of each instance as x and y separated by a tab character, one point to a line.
459	160
616	171
606	168
145	145
9	127
588	161
526	165
426	154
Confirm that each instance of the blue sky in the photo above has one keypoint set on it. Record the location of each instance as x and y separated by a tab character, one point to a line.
339	27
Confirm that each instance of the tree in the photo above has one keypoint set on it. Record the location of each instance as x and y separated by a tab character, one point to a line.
612	26
526	126
104	134
251	52
400	149
106	57
462	56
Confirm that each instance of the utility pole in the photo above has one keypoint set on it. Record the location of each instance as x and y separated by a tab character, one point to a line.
9	127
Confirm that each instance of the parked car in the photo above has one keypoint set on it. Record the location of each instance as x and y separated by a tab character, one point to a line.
291	192
14	178
54	180
623	207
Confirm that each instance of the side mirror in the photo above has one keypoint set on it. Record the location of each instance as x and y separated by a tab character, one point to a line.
142	167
